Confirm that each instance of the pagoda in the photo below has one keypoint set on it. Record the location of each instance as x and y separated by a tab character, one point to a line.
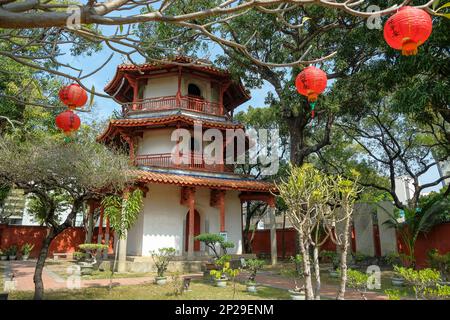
183	199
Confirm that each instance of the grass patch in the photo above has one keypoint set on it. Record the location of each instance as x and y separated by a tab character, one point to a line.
200	291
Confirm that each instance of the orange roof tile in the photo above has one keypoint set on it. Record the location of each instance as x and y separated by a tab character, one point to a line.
163	120
242	184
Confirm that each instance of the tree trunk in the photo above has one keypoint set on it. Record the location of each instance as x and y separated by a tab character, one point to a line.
343	266
283	237
309	294
90	226
316	273
37	278
247	240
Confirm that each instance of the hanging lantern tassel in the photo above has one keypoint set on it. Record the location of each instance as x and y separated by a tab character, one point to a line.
313	105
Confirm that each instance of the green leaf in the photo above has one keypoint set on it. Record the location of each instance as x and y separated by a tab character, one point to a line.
435	4
444	6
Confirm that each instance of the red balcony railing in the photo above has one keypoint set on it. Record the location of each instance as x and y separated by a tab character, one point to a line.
172	102
193	161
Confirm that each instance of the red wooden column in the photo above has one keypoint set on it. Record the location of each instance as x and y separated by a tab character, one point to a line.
188	198
222	211
100	225
178	96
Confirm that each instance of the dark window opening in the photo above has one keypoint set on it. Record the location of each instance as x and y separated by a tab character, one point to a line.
194	90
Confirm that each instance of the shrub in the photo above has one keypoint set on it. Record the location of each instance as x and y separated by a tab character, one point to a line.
440	292
27	248
212	239
253	265
393	294
91	249
393	259
298	261
357	280
12	251
332	257
422	281
440	262
79	256
161	258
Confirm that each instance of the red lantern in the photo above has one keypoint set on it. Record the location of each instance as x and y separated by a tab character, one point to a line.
408	29
311	82
68	121
73	96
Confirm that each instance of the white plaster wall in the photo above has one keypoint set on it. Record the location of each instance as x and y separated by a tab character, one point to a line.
161	87
167	86
134	237
164	219
203	84
156	141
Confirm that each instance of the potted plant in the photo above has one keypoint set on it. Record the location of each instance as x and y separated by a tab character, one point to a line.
218	246
12	252
3	255
397	280
161	258
220	275
253	266
298	293
333	258
26	250
89	262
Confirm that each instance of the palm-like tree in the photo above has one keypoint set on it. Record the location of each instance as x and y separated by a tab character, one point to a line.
418	220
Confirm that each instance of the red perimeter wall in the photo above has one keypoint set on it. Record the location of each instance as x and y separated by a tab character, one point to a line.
67	241
438	238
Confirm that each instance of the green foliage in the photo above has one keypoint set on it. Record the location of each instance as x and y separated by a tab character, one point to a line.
416	221
297	260
393	259
79	256
253	266
357	279
123	212
27	248
92	246
440	262
162	258
422	281
393	294
12	250
225	270
360	257
213	239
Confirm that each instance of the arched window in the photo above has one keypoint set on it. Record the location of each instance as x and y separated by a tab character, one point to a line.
194	90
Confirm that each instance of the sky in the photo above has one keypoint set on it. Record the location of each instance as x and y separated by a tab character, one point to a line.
104	107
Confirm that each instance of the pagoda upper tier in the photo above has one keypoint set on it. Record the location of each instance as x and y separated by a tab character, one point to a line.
177	83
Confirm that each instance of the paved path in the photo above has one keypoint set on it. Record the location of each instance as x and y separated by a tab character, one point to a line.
23	276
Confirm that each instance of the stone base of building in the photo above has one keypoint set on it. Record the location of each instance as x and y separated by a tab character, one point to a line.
182	264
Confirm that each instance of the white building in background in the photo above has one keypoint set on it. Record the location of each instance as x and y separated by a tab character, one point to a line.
444	170
16	209
404	188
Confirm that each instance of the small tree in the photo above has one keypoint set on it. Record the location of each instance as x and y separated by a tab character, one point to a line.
422	281
162	258
211	240
45	165
358	281
122	212
253	266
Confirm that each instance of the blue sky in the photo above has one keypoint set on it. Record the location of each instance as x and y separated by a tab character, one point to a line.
103	107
